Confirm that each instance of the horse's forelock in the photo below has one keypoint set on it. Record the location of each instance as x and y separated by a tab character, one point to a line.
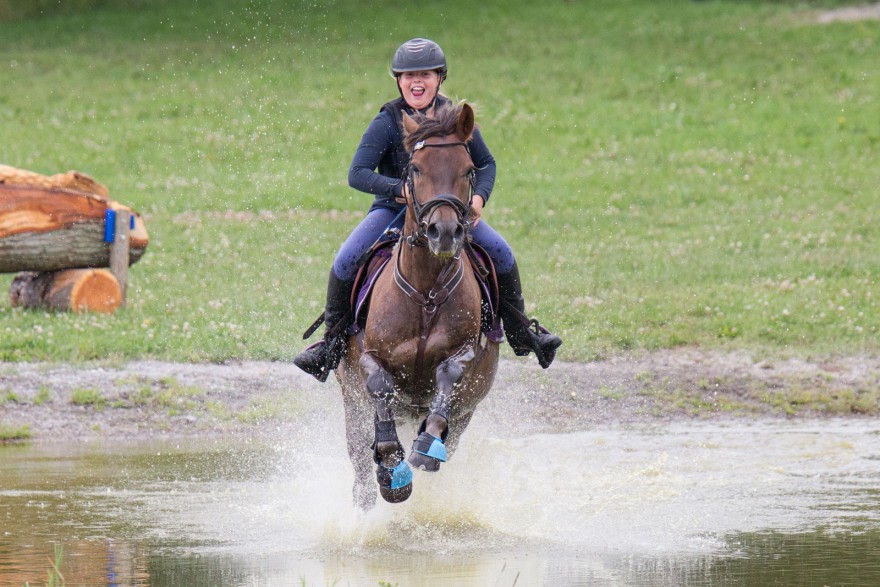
440	124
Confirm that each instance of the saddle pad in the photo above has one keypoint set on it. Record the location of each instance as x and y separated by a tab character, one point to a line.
484	271
378	261
366	279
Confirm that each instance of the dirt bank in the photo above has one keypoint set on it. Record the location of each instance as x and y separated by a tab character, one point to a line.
144	399
851	13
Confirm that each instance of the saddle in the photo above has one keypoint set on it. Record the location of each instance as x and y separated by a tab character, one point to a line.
376	261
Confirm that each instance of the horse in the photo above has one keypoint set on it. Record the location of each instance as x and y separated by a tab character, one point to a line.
420	356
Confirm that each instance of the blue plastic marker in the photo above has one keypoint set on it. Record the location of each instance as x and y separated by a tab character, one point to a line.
110	225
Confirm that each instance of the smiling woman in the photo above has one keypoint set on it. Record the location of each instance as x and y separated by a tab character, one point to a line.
379	165
419	88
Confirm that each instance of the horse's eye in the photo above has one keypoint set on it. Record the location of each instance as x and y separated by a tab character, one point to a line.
416	170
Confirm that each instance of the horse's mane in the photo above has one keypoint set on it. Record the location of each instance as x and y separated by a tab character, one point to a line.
440	123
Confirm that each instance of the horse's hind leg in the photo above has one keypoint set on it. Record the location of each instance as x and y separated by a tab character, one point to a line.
358	433
429	449
357	426
392	473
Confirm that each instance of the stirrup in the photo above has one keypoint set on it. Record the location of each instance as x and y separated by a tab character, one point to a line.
537	339
545	344
313	360
321	357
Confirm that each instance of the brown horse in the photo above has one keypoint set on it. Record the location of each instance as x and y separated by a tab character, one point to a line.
421	355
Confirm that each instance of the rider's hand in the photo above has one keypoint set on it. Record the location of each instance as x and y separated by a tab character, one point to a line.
404	194
477	204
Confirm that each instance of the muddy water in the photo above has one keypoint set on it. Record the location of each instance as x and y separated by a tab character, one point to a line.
762	503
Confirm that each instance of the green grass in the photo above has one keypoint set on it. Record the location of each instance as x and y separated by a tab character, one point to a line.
54	576
87	397
44	395
670	173
14	433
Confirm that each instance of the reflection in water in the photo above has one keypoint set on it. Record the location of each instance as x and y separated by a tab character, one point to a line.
678	504
85	562
818	557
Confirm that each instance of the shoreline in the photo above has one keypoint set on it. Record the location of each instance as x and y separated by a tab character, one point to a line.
154	399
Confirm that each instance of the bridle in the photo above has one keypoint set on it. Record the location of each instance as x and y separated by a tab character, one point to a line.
422	212
451	275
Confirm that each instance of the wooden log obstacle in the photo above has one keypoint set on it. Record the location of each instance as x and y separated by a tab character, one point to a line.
61	231
77	290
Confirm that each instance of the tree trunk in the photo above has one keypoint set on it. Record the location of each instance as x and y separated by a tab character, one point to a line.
77	290
50	228
74	180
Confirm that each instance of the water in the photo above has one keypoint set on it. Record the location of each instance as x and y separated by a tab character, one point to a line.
692	503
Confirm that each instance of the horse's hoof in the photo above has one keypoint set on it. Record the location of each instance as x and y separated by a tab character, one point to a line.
427	453
424	463
395	485
396	495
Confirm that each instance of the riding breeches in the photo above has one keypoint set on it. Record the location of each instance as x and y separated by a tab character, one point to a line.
379	219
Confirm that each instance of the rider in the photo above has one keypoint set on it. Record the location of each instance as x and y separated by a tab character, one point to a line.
419	67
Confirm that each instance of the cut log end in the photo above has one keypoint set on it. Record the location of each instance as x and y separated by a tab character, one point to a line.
95	291
74	290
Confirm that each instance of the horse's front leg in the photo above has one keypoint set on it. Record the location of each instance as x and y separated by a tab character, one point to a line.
392	472
429	448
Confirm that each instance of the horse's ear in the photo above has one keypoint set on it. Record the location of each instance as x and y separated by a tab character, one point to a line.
464	126
409	125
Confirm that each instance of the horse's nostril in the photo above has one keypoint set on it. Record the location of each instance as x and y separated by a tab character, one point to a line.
433	232
459	232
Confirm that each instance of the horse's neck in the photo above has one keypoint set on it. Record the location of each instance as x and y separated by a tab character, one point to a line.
420	267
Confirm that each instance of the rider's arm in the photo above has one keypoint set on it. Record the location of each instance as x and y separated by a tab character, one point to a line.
484	181
376	142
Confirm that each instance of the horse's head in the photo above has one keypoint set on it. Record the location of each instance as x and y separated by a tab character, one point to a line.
440	176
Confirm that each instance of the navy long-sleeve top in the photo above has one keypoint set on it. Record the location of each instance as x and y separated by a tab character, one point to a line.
380	160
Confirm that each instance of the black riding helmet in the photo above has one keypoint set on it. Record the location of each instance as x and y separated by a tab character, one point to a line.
419	55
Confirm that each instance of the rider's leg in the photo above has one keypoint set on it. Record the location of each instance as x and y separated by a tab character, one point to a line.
322	357
520	337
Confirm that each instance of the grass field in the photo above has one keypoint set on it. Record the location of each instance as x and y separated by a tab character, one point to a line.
671	173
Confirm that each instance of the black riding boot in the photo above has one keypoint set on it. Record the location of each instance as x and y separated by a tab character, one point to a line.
521	337
323	356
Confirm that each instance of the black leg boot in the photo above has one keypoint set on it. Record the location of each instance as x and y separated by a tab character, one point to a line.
523	336
323	356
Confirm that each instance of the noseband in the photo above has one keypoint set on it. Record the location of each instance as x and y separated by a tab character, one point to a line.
423	211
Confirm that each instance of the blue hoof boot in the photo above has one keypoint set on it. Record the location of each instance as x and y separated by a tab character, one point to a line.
395	485
427	453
